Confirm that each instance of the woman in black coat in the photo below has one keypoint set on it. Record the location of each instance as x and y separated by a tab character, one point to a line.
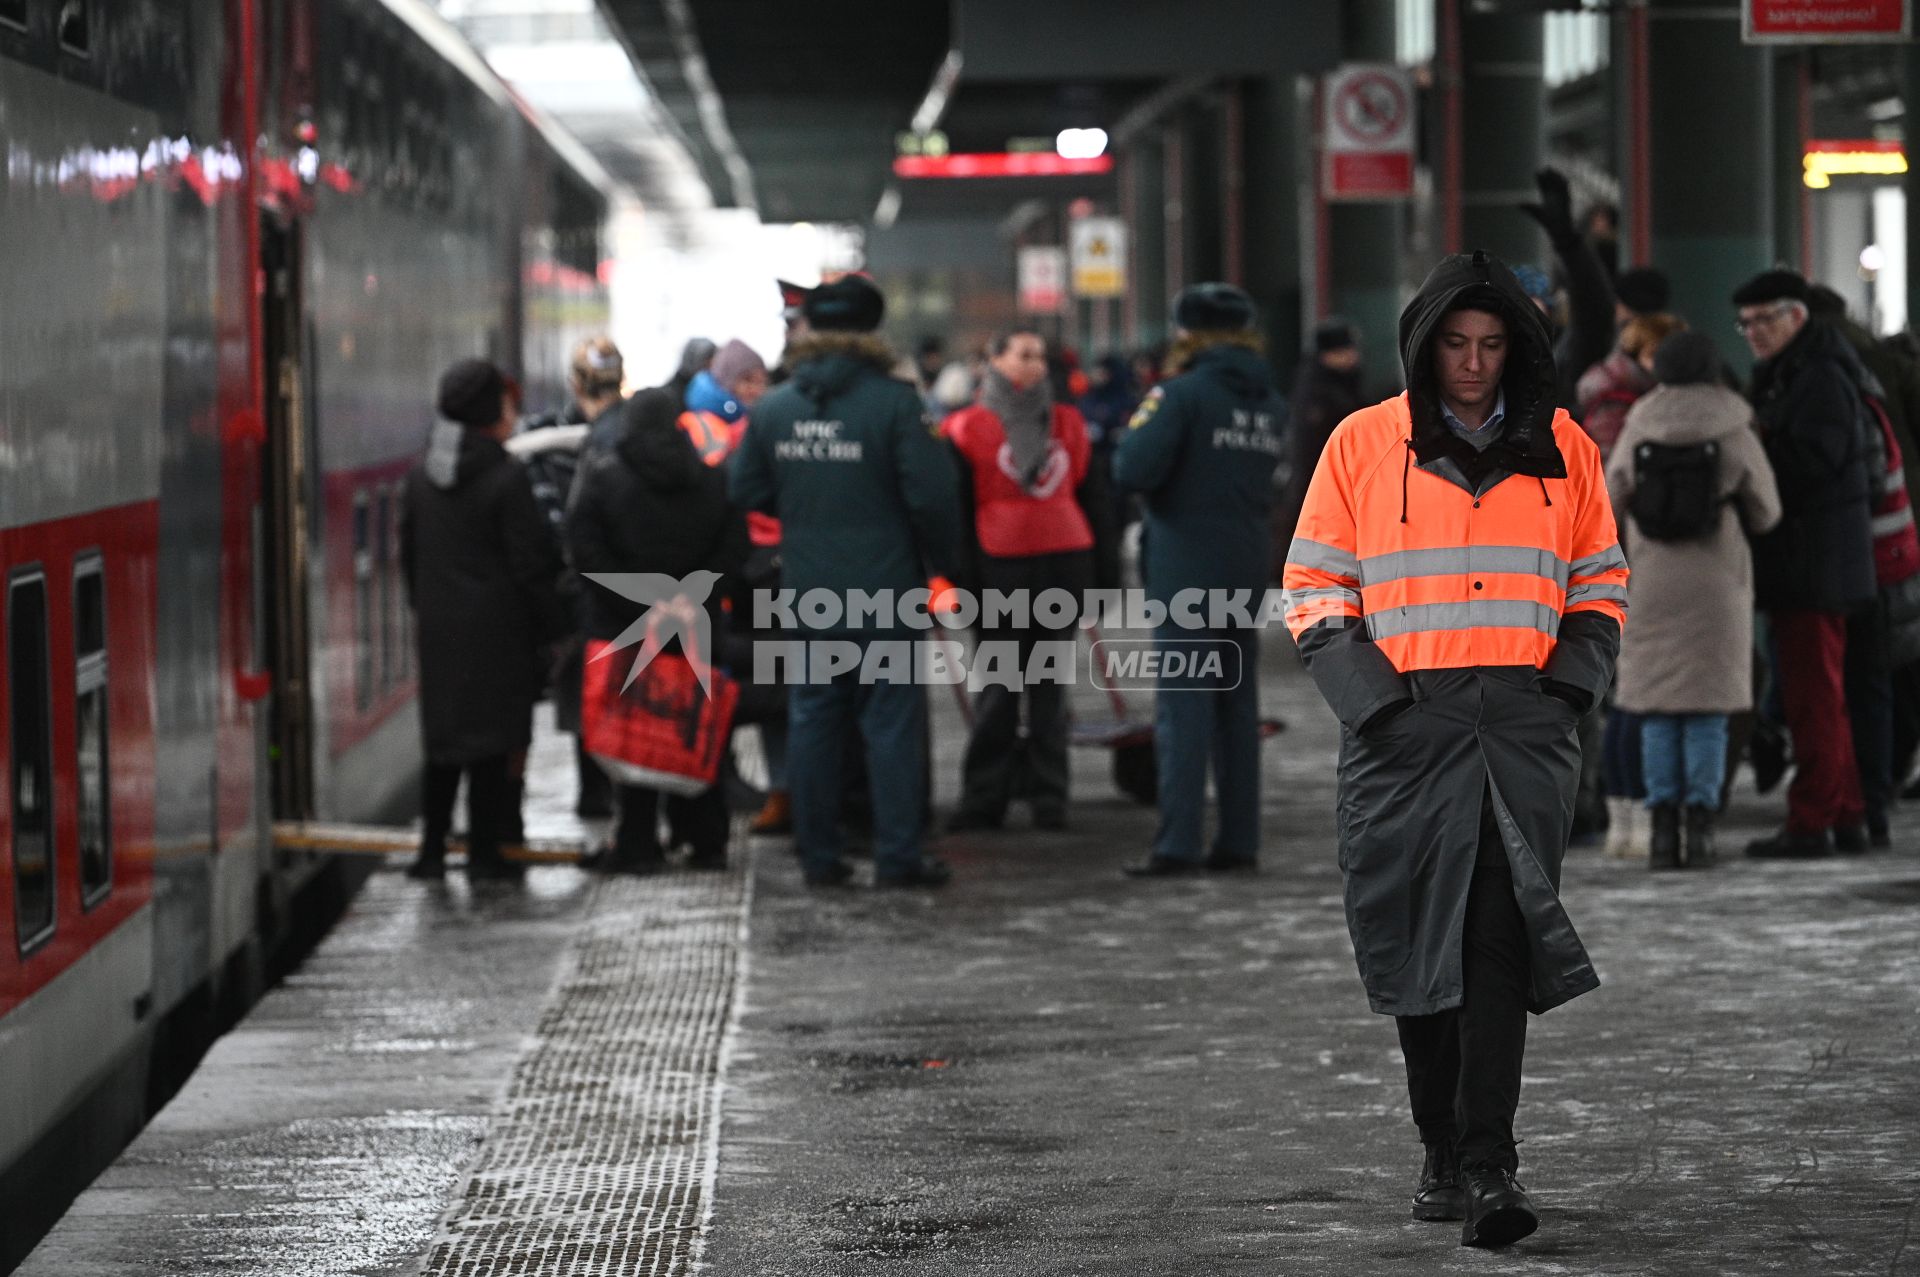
650	504
482	568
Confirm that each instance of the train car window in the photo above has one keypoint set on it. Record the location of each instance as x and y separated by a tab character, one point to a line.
382	564
90	728
76	30
32	779
362	603
13	13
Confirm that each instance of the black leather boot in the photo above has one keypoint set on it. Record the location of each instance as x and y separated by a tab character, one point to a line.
1664	849
1439	1195
1499	1212
1701	853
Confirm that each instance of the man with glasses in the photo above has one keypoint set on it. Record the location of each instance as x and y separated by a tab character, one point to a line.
1816	567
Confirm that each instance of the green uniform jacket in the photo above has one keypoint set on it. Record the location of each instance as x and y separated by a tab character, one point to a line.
1202	450
846	458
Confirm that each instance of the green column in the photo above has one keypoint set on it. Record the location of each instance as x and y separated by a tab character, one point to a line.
1713	181
1275	274
1147	222
1503	132
1367	237
1912	185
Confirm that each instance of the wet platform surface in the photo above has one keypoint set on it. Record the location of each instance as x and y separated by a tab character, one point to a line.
1045	1069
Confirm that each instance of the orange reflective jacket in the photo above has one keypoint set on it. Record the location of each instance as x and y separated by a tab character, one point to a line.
1443	579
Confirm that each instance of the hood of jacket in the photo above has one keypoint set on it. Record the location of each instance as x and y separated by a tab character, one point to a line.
654	446
706	394
456	454
1480	282
1689	414
827	364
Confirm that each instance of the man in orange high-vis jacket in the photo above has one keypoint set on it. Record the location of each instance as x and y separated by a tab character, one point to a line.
1457	591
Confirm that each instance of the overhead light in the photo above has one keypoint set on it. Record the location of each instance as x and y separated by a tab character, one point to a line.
1081	144
1001	164
887	212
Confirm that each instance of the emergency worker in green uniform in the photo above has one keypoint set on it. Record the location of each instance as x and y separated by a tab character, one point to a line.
1201	452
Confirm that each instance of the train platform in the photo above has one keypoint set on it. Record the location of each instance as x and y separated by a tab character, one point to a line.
1044	1069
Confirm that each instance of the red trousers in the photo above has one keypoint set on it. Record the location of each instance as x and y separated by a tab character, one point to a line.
1825	792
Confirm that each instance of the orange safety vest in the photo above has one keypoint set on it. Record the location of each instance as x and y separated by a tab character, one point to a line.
712	435
1443	579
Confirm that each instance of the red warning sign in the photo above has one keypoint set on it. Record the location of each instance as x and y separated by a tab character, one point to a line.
1367	132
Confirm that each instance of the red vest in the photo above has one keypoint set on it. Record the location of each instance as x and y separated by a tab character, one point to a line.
1010	521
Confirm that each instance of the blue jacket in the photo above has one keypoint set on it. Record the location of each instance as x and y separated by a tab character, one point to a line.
1201	451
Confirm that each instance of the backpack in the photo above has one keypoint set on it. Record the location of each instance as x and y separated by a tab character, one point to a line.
1676	490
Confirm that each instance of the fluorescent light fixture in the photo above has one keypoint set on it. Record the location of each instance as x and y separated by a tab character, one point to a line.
1081	144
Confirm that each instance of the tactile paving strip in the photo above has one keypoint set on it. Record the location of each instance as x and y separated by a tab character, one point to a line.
601	1158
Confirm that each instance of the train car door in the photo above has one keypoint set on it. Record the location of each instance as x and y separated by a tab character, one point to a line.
286	523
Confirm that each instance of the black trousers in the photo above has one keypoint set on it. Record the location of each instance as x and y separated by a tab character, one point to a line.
1463	1066
493	805
998	766
700	820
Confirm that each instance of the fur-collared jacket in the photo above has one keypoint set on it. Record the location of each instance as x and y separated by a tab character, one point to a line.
846	457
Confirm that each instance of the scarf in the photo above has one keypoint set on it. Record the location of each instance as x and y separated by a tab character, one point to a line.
1027	418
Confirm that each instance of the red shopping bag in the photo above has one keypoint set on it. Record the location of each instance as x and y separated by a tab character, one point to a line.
665	731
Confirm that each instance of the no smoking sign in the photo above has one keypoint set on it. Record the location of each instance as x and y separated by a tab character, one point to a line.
1367	132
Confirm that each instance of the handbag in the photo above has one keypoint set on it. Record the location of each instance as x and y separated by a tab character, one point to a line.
664	727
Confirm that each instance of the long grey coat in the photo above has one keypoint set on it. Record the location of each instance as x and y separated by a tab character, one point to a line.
1689	648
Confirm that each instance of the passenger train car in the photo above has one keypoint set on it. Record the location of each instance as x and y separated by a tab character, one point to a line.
239	239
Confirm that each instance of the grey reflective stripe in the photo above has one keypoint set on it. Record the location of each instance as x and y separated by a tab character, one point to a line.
1896	482
1596	594
1462	560
1499	614
1323	558
1608	560
1335	593
1887	524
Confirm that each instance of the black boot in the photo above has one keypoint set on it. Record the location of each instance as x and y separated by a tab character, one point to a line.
430	865
1439	1195
1701	853
1665	845
1499	1212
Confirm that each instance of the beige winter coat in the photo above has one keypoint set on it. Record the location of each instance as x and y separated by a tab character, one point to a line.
1689	638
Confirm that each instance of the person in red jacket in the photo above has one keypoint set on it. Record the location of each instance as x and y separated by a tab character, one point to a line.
1022	461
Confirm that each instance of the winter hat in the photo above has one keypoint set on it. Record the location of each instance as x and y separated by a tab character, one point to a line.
1213	308
736	360
1534	283
1772	286
1687	358
850	304
1644	290
652	409
1335	334
473	392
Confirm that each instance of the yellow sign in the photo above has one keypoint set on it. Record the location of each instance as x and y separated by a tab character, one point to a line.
1098	252
1825	161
